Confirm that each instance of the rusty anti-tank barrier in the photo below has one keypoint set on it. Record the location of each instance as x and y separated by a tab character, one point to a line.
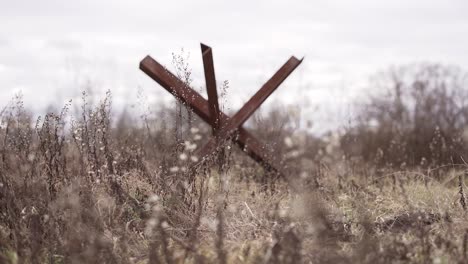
223	127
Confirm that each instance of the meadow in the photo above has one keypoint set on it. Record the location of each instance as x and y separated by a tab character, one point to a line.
86	186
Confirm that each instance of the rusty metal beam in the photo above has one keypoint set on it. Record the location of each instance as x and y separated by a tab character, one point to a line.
200	106
210	81
249	108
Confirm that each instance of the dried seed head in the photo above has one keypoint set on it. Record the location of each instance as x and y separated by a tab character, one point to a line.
153	198
288	142
183	156
165	225
194	158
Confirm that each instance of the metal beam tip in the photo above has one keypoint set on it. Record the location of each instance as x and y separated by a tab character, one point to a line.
144	60
204	47
297	60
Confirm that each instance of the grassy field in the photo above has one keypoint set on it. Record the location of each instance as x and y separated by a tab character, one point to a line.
84	188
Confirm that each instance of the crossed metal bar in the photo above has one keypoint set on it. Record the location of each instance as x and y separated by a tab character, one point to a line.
223	127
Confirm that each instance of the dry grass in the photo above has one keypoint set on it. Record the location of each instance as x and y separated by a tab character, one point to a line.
92	192
86	188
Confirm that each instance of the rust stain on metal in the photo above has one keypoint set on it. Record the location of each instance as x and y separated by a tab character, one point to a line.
223	127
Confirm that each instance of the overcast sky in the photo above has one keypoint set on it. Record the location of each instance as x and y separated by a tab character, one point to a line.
50	49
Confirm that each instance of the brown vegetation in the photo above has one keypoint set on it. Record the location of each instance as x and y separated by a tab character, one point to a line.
89	189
